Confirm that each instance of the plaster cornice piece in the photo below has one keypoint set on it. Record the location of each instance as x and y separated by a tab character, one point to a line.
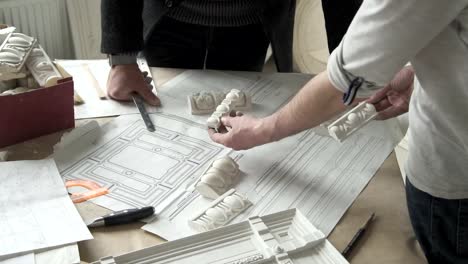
286	237
42	68
220	212
206	102
218	178
14	51
352	121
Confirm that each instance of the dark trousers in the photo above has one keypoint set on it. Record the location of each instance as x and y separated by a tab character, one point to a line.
440	225
338	16
175	44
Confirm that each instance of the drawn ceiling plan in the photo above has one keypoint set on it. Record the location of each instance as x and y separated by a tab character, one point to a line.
313	173
141	168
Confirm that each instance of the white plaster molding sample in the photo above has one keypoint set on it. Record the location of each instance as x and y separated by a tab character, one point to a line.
218	178
206	102
42	68
234	100
220	212
14	51
352	121
280	238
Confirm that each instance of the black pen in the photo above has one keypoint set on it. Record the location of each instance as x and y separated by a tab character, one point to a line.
123	217
357	236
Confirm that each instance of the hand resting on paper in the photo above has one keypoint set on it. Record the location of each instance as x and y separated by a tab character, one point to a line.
127	79
393	100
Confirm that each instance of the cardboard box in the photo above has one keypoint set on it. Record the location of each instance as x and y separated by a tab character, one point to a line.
36	113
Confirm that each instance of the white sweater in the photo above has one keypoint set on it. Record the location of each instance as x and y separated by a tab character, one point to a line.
433	36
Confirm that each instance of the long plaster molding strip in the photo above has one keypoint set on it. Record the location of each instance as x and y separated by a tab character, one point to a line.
352	121
42	68
14	51
280	238
220	212
218	178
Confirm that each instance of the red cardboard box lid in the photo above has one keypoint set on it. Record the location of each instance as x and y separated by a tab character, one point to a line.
36	113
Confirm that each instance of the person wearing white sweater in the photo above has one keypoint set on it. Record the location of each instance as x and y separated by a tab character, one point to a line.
382	39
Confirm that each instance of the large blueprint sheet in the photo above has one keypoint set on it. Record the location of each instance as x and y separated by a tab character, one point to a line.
140	168
315	174
35	210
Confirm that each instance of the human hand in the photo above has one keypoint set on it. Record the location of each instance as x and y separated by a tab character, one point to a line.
243	132
393	100
127	79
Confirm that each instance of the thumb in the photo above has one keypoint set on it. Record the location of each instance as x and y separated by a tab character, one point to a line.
149	96
227	121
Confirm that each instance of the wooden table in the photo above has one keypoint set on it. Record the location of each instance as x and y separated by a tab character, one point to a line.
389	239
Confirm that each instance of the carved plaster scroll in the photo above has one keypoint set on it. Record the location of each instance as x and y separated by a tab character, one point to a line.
42	68
232	101
218	178
14	51
206	102
352	121
220	212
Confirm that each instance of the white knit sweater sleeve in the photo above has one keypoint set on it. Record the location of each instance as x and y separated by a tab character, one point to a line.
384	36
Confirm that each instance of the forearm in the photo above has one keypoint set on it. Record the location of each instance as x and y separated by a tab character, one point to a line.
315	103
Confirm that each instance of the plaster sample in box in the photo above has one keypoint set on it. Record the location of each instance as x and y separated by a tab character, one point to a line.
218	178
14	51
283	237
42	68
220	212
352	121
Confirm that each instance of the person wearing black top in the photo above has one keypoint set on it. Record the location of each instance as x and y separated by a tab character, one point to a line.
200	34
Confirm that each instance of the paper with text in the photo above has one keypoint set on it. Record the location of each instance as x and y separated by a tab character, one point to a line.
35	210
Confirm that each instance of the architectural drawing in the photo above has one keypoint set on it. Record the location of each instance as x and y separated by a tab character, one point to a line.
317	175
137	167
220	212
353	120
218	178
286	237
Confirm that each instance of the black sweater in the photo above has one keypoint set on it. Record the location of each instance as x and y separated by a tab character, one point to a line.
126	24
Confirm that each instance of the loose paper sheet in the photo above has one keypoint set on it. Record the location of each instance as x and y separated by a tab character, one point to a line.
140	168
35	210
83	72
27	258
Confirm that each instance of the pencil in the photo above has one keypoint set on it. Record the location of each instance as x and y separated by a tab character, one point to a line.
357	237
